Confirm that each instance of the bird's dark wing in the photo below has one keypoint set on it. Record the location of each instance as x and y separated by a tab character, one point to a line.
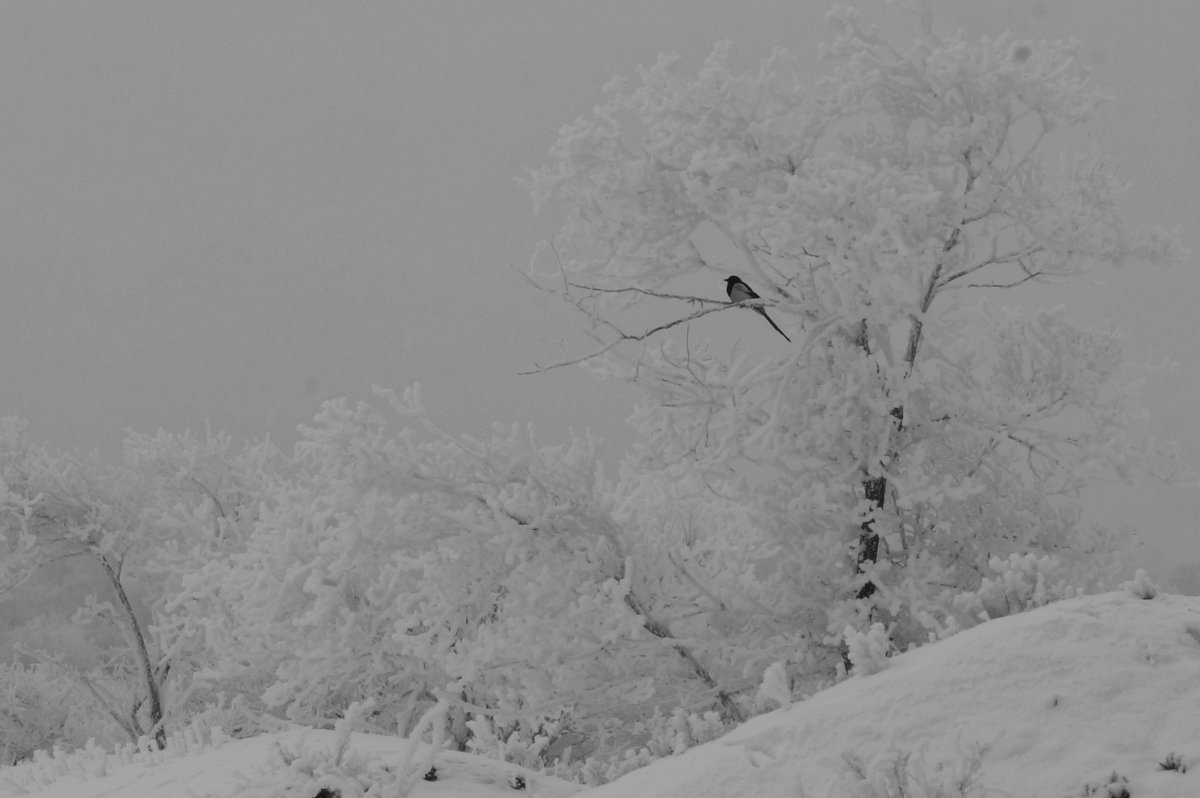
739	292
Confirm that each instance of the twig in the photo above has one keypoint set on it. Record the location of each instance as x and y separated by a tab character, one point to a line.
656	294
624	336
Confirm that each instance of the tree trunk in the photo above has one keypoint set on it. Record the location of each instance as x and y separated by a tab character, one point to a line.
729	708
153	695
875	489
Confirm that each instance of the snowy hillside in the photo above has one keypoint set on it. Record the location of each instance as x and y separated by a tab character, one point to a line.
1057	699
1049	703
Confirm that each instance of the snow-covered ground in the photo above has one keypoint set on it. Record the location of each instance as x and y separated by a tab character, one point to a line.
1084	697
290	764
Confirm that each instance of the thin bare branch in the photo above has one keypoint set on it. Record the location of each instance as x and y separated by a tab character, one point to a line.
1013	284
656	294
642	336
700	588
1017	256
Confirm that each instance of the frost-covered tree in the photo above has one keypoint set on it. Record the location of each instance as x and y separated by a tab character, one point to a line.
55	506
201	497
43	709
871	470
175	503
406	566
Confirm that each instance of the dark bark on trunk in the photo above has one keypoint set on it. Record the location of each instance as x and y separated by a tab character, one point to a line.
875	489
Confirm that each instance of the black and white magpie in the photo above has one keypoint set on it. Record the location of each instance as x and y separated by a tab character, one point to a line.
739	292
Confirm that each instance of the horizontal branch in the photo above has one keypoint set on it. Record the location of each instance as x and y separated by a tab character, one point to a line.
1011	284
646	292
623	336
1019	257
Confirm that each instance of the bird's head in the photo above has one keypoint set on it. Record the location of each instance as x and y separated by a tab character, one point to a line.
731	279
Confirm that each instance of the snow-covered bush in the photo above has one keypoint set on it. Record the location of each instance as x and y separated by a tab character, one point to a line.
520	743
596	771
1173	761
1022	582
670	734
407	565
1115	786
776	687
139	527
909	775
57	505
303	770
93	761
238	715
868	651
1141	585
659	736
41	708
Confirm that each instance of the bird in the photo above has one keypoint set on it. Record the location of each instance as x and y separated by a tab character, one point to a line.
739	292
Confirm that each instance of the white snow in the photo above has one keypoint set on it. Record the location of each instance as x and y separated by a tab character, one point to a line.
1062	696
1057	699
256	768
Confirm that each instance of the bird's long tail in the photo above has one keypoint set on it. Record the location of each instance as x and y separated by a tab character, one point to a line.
771	321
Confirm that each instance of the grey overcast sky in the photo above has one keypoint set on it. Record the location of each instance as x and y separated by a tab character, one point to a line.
231	211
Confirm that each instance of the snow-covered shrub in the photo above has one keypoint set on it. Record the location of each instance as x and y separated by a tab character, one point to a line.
659	736
43	707
595	771
1022	582
400	564
742	586
682	730
1173	761
515	742
1116	786
138	527
776	687
237	715
308	771
908	774
303	770
868	651
1141	585
93	761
